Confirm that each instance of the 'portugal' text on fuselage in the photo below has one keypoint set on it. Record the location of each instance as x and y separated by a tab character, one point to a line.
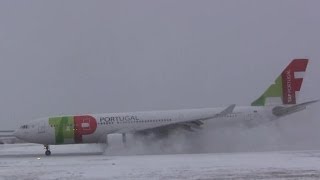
118	118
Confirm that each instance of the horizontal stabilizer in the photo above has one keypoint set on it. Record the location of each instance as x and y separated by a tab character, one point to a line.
283	111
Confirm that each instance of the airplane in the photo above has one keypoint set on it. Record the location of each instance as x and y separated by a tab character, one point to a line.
280	99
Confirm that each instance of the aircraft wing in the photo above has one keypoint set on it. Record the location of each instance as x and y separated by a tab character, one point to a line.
188	125
283	111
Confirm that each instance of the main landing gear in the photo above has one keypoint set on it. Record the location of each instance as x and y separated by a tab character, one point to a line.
48	152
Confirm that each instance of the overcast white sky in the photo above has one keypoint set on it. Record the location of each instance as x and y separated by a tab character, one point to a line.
70	57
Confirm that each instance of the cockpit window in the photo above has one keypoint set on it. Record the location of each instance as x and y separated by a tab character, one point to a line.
24	127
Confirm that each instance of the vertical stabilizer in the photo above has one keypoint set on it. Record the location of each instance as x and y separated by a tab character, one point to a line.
287	86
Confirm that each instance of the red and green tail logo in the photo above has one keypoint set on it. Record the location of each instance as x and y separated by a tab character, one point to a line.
286	87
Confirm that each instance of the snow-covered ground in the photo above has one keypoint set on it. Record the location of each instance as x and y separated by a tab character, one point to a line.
26	161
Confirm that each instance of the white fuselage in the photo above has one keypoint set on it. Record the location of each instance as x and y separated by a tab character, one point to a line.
94	128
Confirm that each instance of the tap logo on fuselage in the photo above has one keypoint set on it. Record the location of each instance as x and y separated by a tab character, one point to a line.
70	129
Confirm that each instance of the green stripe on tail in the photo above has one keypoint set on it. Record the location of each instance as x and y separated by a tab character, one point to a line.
275	90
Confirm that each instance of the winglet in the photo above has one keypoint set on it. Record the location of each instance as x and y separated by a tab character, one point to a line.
226	111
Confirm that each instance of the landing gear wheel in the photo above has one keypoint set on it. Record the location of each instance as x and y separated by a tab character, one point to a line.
48	152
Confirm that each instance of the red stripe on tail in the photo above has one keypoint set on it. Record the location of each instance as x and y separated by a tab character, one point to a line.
290	84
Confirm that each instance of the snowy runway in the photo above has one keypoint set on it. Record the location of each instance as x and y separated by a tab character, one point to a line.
26	161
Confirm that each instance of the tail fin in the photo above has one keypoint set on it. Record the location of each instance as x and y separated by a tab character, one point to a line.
286	87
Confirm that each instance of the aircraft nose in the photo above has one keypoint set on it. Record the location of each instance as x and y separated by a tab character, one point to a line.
17	133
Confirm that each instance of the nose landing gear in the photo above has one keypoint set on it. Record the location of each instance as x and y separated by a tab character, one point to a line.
48	152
